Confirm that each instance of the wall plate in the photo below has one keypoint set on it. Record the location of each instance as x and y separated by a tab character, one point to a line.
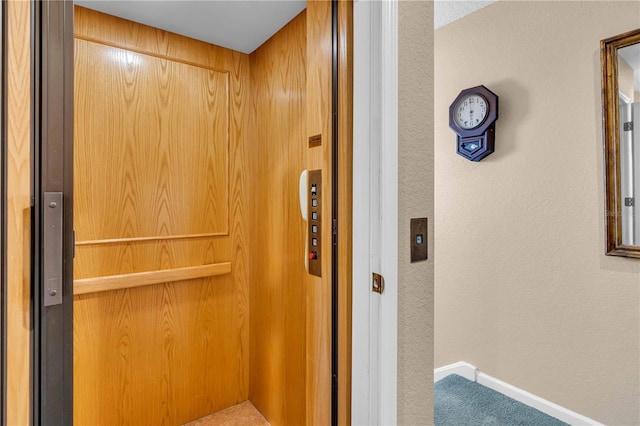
418	239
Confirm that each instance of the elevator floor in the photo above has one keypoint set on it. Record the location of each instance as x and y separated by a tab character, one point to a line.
243	414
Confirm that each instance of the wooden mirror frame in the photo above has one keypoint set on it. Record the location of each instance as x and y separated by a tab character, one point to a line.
611	139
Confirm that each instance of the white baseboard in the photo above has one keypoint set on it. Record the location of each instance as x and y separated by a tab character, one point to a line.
461	368
470	372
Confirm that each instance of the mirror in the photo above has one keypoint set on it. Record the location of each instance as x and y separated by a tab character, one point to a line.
620	56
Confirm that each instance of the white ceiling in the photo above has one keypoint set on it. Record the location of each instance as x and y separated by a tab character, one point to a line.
241	25
447	11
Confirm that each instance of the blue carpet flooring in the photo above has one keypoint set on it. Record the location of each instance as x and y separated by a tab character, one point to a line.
461	402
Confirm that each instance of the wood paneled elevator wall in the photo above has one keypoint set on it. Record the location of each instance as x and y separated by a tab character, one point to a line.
19	80
278	277
161	184
171	352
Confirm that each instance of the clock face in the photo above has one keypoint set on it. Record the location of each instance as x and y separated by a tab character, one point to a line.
470	111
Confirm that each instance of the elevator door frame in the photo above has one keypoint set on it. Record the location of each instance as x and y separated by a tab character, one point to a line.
52	343
52	171
375	329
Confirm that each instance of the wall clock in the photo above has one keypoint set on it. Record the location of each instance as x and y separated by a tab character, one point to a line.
473	115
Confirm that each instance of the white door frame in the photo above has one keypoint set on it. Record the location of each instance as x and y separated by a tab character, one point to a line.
375	212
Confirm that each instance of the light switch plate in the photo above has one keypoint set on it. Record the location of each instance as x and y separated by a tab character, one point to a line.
419	239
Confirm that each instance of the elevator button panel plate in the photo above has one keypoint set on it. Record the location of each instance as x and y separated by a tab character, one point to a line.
314	233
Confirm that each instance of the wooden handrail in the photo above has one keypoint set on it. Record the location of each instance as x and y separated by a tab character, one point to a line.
152	238
139	279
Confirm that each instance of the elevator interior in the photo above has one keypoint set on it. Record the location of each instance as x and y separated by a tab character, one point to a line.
192	291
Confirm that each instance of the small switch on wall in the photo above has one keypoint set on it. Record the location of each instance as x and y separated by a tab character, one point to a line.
418	239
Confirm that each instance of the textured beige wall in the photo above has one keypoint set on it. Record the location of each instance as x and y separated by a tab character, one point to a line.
415	199
523	288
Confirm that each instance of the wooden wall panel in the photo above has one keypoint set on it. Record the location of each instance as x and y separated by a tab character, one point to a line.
278	277
153	150
166	353
161	354
18	210
318	337
96	260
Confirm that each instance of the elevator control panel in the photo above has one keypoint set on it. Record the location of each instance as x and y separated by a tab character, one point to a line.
314	241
